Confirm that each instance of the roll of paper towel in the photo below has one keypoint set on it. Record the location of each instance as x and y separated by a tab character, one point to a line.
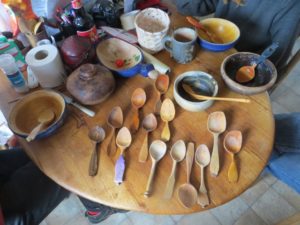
47	66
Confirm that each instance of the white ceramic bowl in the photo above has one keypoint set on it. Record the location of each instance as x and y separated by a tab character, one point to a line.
207	82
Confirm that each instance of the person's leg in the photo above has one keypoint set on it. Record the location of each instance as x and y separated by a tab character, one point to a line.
96	212
29	196
285	160
10	161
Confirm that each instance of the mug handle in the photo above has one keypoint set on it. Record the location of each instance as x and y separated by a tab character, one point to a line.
148	70
167	43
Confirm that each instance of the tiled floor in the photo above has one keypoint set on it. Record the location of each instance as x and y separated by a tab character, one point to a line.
267	202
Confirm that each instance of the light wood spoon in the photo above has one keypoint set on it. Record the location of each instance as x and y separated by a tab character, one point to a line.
96	134
161	85
157	150
138	100
167	114
149	124
233	144
191	92
202	159
115	121
177	153
216	124
187	193
123	141
45	118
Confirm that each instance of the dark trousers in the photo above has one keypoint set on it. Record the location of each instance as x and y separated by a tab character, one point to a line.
27	196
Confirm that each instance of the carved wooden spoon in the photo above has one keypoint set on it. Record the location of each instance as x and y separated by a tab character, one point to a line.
167	114
138	100
115	121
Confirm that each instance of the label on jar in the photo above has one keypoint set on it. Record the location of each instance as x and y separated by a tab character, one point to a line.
16	79
91	34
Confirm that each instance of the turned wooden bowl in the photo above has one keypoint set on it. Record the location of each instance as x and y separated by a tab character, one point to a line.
24	115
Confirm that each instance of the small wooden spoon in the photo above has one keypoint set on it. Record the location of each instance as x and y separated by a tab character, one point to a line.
123	141
45	118
96	134
191	92
161	85
233	144
212	37
138	100
187	193
202	159
216	124
149	124
247	73
114	120
177	153
157	150
167	114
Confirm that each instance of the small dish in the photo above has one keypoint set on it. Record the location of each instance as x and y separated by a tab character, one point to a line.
123	58
202	83
24	115
265	73
225	30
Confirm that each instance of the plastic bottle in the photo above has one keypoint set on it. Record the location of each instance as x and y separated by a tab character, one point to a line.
16	78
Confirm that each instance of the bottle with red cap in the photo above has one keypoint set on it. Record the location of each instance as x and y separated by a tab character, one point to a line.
83	22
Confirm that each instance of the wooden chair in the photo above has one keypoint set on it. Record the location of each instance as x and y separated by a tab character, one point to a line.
283	73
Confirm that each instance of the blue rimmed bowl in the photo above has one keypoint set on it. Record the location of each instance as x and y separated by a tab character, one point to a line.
224	30
123	58
24	115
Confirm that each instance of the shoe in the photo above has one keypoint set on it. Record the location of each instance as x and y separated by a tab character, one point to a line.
99	215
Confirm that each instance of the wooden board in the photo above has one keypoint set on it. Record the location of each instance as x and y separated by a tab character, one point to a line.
64	157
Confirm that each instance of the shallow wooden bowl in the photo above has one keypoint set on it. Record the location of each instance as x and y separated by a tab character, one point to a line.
223	29
24	115
265	73
111	52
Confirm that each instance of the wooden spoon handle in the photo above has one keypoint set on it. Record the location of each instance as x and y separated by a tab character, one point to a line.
119	170
111	147
144	150
243	100
171	182
34	132
93	167
135	121
189	160
165	135
215	164
232	171
203	199
148	191
157	106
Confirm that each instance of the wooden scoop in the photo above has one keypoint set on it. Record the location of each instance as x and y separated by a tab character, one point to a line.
191	92
167	114
161	85
45	118
216	124
157	150
96	134
177	153
202	159
187	193
138	100
149	124
212	37
123	141
233	144
247	73
114	120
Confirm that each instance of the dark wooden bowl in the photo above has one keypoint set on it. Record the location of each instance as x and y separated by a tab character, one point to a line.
24	115
265	73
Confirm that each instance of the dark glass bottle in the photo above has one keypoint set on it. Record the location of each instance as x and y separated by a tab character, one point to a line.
83	22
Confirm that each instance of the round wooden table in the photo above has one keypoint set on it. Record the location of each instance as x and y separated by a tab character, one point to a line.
64	157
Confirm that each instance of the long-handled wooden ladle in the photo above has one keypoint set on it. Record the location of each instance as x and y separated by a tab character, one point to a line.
191	92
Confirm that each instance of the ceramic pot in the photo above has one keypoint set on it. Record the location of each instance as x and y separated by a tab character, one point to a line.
77	51
91	84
